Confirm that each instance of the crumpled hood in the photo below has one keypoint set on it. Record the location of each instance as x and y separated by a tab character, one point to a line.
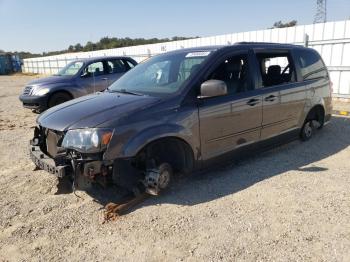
92	110
50	80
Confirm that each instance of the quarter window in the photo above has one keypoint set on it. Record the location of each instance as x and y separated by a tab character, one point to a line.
311	64
131	65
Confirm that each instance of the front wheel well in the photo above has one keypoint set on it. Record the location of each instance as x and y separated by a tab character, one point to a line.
172	150
59	92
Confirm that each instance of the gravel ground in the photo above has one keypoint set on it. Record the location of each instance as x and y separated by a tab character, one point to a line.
289	204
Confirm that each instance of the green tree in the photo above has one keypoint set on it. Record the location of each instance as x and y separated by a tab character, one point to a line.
71	48
279	24
78	47
104	43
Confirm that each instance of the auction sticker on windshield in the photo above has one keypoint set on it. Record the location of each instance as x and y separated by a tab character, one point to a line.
198	54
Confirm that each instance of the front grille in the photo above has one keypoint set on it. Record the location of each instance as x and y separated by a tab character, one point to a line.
51	143
27	90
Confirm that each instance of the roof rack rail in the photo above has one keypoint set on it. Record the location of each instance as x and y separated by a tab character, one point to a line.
250	43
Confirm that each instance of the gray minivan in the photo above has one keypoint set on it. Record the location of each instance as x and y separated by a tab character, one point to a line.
181	110
78	78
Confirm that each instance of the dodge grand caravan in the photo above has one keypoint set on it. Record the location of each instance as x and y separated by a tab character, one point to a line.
78	78
178	111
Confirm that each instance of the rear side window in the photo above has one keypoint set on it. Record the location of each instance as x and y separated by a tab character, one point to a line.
311	64
276	68
115	66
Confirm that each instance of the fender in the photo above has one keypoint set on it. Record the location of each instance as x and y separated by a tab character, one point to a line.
136	143
72	89
139	140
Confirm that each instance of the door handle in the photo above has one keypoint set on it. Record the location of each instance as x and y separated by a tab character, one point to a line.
253	102
270	98
105	78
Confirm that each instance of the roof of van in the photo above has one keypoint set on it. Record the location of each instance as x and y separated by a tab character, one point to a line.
238	45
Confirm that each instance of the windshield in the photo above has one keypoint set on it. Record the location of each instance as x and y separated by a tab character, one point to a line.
160	75
71	69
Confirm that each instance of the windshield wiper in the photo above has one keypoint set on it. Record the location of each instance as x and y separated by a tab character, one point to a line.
124	91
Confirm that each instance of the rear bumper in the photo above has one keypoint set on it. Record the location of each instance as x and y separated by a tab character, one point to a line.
34	102
46	163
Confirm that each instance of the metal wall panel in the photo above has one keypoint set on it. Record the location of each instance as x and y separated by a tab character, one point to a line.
331	40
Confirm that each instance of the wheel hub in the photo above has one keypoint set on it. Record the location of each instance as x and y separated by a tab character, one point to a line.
157	179
308	129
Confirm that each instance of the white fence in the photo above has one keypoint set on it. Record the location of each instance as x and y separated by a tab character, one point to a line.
331	40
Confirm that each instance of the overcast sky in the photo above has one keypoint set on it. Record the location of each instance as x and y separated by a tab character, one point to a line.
43	25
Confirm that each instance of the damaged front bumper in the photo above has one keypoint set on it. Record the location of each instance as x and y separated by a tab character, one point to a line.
64	166
44	162
133	174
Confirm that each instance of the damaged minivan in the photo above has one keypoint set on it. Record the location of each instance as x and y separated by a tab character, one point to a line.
178	111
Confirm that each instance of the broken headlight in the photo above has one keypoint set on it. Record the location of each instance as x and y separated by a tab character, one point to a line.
87	140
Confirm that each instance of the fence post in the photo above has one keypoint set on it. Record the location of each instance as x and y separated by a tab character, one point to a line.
306	40
50	67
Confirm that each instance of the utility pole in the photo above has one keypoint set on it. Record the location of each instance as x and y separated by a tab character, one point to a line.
321	12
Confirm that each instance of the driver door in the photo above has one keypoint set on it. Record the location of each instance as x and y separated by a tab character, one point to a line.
230	121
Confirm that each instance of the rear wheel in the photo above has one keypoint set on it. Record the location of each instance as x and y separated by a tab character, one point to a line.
58	98
307	130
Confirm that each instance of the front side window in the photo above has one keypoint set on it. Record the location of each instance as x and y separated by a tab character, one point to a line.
311	64
71	69
276	69
234	72
160	75
94	69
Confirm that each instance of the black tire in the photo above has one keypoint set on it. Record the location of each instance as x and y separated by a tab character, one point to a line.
320	121
307	130
58	98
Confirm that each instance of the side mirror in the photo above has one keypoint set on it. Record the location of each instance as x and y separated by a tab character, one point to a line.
212	88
